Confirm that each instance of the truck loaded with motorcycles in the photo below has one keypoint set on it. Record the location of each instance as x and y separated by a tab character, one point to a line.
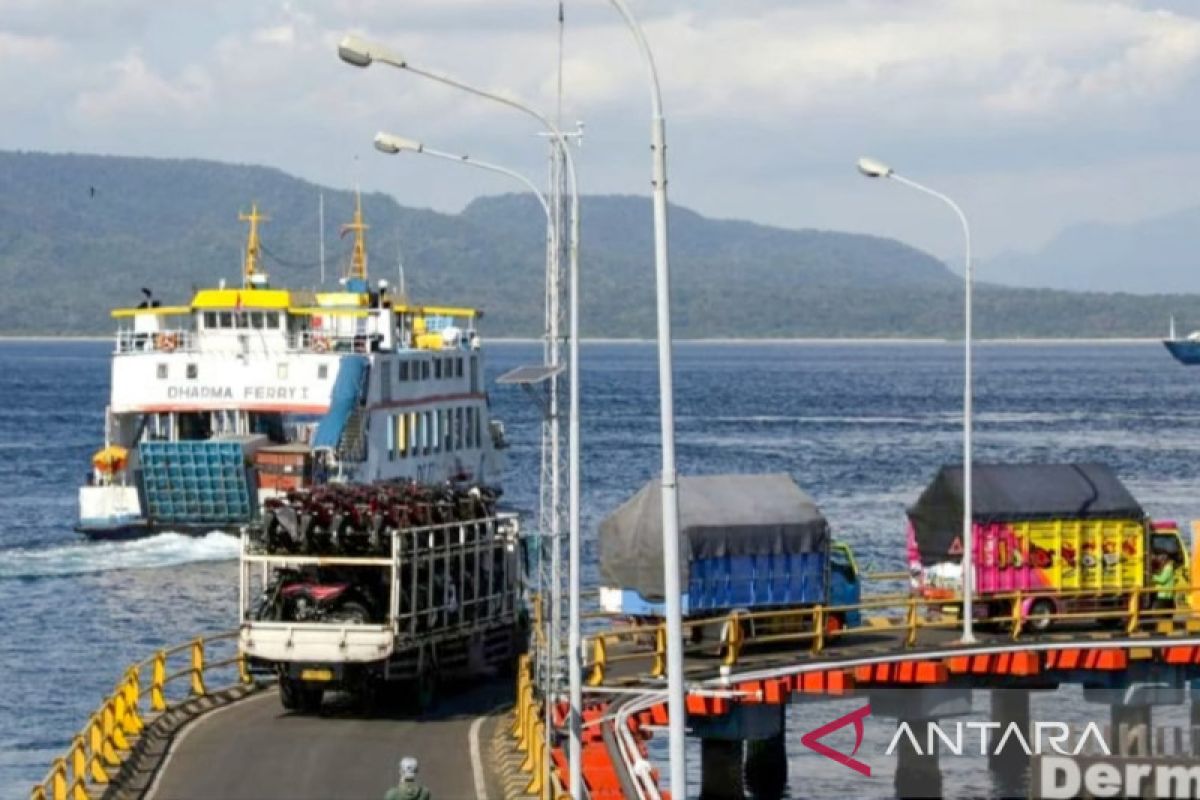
352	587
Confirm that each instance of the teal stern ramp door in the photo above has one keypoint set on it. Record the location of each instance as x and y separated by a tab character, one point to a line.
198	484
347	394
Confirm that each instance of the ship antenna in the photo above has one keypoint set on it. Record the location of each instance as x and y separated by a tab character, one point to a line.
358	257
400	266
321	231
251	262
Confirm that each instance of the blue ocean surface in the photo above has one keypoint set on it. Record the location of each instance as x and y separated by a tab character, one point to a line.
863	427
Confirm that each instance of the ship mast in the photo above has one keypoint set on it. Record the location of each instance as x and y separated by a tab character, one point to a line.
358	257
252	272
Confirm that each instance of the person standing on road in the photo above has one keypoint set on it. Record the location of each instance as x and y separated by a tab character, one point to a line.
409	788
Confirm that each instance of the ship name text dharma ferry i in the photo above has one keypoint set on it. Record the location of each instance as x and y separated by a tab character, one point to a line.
248	393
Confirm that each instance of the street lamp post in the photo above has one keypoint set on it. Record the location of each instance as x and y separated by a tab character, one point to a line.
874	169
360	53
670	500
391	144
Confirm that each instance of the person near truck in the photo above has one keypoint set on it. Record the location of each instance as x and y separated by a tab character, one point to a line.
408	788
1164	581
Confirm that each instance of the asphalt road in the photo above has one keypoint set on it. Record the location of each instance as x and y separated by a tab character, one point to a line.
255	749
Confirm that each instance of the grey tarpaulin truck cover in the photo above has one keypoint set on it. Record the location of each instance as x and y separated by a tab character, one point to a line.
1014	493
719	516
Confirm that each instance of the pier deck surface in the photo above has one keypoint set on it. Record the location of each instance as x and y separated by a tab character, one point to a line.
255	749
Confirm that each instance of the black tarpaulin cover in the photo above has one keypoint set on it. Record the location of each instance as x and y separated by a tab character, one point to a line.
719	516
1012	493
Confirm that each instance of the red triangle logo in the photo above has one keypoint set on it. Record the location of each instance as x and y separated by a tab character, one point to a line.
811	740
956	547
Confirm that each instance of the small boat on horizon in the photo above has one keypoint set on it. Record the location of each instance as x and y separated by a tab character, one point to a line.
1185	350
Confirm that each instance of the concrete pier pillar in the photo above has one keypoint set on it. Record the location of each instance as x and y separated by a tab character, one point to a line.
1194	717
721	770
1131	729
1010	767
918	774
766	767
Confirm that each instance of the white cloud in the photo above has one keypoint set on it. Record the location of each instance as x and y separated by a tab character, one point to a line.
14	47
767	100
133	91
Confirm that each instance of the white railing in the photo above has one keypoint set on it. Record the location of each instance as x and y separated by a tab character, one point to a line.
164	341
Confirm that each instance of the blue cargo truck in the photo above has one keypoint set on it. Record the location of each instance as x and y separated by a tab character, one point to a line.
747	543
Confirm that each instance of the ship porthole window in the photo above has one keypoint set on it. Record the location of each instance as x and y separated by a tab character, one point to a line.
193	370
162	372
322	372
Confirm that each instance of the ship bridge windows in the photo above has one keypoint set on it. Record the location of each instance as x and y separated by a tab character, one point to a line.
241	320
402	371
437	369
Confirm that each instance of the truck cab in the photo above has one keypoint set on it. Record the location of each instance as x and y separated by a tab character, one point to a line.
845	585
1166	539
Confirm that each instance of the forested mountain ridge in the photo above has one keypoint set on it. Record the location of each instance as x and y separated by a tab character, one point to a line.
81	234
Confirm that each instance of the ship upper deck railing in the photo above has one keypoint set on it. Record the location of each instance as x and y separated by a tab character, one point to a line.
162	341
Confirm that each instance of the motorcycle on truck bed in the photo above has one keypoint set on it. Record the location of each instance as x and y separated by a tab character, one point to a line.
409	605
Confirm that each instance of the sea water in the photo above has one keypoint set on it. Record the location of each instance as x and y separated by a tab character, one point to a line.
861	426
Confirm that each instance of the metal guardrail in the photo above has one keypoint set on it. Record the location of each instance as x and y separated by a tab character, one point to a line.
98	751
909	616
529	730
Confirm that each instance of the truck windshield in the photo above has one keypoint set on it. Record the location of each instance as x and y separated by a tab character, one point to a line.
1168	545
839	560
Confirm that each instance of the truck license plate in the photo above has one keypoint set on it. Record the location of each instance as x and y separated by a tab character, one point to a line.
316	675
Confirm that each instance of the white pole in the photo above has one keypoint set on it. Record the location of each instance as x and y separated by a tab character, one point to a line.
670	502
575	675
968	624
575	723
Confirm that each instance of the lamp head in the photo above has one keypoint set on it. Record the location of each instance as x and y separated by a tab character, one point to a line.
354	50
874	169
387	143
359	52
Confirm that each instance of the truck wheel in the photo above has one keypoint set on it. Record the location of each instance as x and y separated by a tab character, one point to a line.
1038	619
295	695
426	690
289	694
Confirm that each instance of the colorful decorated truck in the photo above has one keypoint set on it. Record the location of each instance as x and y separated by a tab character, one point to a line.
1069	538
747	542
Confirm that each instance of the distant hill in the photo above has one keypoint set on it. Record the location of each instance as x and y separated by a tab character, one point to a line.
80	234
1153	256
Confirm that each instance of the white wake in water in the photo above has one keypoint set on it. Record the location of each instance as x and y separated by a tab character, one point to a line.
163	550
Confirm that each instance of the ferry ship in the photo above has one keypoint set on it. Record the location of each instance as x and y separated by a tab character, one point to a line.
250	392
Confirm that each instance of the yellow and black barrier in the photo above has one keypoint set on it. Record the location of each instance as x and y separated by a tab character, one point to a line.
111	735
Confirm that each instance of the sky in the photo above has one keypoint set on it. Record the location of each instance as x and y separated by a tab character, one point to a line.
1032	114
